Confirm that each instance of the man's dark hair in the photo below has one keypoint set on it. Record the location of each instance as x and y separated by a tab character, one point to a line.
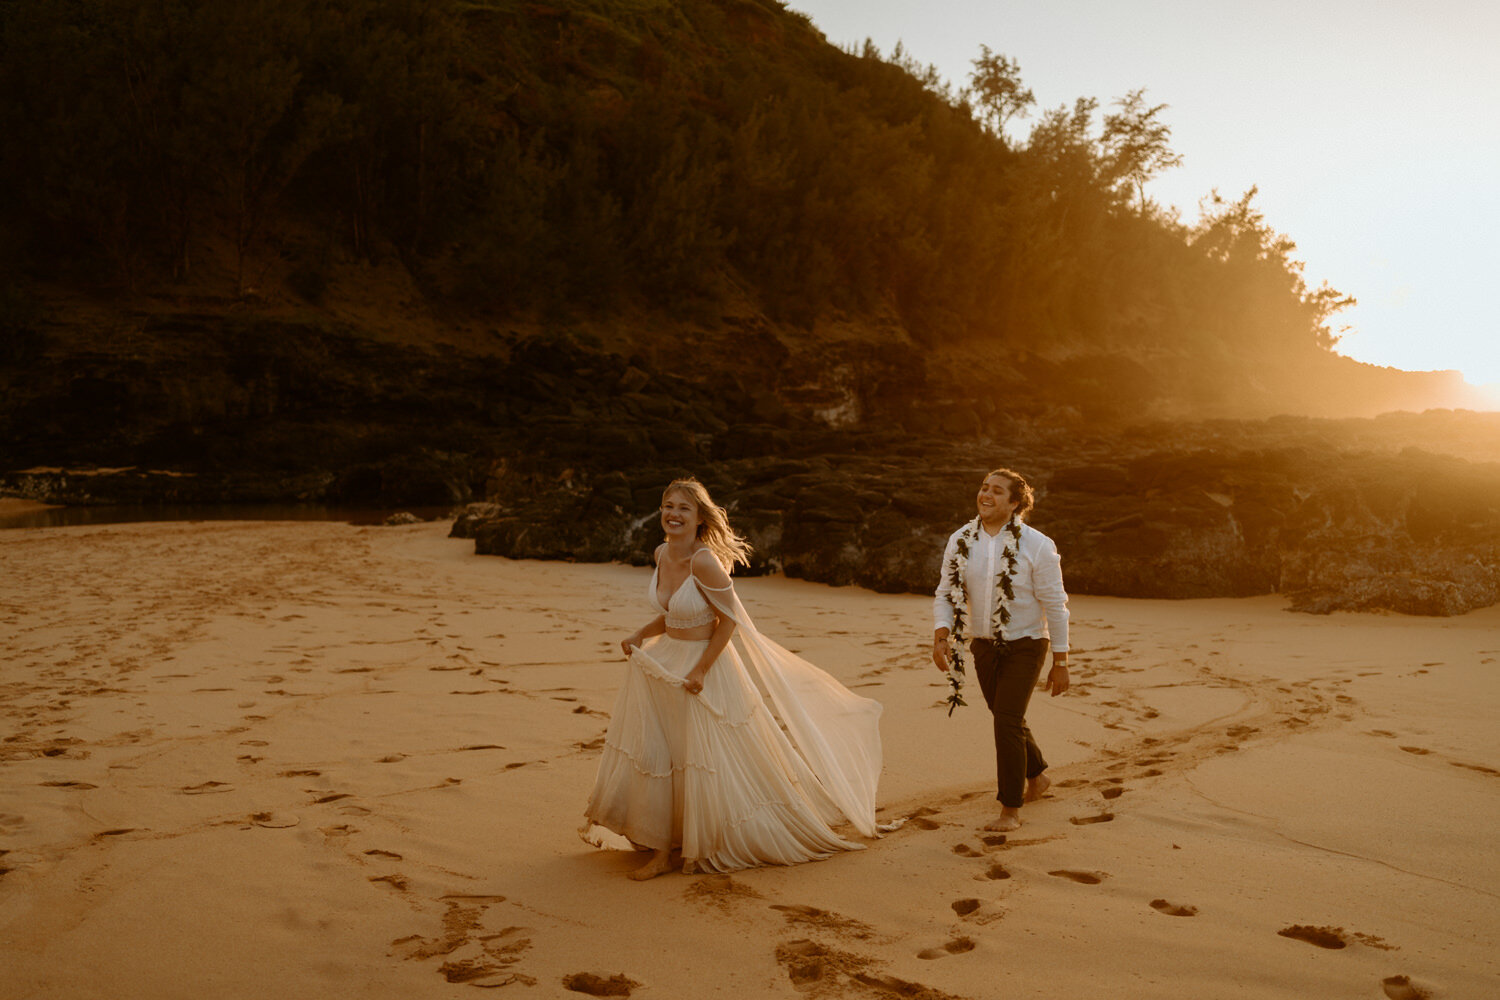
1020	490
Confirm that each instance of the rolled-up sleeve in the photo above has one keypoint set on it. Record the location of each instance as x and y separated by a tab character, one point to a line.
942	599
1048	584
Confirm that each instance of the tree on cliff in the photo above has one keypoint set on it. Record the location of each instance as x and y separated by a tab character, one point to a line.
1137	143
591	157
1255	270
996	89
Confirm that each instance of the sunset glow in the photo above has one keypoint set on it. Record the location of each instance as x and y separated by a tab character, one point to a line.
1359	124
752	498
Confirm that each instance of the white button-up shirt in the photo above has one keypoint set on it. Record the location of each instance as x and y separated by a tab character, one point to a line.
1039	609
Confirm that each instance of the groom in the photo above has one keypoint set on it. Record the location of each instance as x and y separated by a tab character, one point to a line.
999	600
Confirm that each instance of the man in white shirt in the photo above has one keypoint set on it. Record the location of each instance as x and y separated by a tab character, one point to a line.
1001	601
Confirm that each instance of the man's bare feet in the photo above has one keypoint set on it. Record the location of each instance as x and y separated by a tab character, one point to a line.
1010	819
1037	787
660	864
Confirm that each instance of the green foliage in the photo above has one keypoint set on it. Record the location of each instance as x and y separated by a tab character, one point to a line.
1256	284
1137	144
587	155
996	89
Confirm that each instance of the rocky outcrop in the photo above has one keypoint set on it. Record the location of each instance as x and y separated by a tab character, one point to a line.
1408	532
203	408
1197	524
845	462
1416	533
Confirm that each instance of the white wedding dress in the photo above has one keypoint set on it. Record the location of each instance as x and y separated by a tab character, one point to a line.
756	769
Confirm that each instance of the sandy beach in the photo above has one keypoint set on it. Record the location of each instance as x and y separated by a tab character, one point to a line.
271	760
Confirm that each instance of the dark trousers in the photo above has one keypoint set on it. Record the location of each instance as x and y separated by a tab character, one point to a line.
1008	672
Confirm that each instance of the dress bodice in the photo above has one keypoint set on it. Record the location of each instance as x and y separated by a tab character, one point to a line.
686	608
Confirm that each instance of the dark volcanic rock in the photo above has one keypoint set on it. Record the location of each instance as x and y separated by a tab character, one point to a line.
1415	533
847	462
471	516
1412	532
1203	524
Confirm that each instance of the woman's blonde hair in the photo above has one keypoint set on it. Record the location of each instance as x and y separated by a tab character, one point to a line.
713	530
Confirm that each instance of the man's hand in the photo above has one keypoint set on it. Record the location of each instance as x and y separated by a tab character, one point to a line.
1057	678
941	654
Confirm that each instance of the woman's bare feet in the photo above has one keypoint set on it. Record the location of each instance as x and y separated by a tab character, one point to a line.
1037	787
1010	819
660	863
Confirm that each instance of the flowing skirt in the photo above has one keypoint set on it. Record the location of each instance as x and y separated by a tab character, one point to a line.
712	773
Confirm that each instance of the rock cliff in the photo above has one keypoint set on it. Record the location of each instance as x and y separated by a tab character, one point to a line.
845	460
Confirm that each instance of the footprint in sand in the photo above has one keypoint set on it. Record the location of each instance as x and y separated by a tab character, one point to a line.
598	986
806	962
508	946
796	913
993	839
1402	988
964	907
1174	909
996	872
1086	820
1481	768
471	970
965	851
955	947
1323	937
397	881
1083	878
207	788
919	819
1419	751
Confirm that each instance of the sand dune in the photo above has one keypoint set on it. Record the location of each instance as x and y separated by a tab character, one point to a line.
315	760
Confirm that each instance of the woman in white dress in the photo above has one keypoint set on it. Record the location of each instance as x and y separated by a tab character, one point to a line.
724	749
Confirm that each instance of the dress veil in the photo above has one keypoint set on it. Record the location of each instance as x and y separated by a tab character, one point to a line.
834	730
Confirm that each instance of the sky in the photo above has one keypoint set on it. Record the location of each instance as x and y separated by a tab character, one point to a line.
1371	130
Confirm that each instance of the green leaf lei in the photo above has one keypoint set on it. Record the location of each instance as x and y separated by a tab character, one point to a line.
958	596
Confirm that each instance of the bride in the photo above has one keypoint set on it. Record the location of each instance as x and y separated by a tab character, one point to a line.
724	750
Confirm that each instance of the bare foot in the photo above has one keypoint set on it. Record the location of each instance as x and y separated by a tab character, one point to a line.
660	864
1037	787
1010	819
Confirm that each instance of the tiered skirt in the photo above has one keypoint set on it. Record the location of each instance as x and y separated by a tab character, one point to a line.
712	773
